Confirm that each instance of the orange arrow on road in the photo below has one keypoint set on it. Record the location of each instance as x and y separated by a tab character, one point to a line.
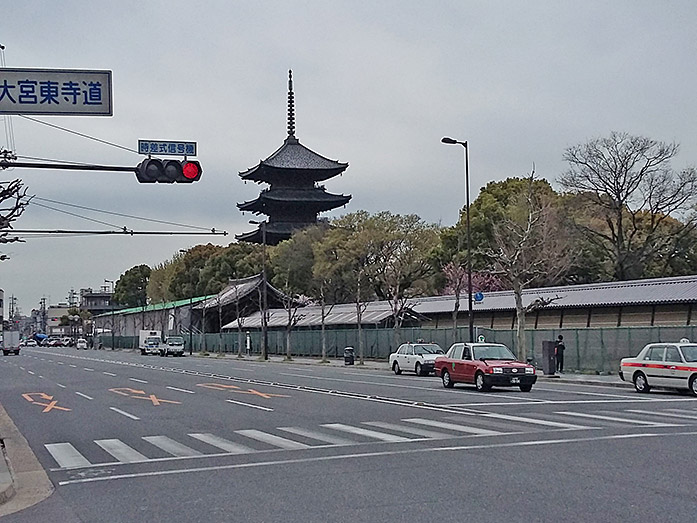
29	396
128	392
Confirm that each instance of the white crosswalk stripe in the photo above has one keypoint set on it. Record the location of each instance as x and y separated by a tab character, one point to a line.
172	447
66	455
120	450
409	430
319	436
667	414
271	439
615	418
222	444
382	436
453	426
535	421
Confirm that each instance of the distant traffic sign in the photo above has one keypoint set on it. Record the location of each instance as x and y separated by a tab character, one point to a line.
167	148
73	92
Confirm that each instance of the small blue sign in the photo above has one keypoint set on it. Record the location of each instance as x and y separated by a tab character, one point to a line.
479	296
166	148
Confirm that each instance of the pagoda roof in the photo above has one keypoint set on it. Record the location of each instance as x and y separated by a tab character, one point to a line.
294	156
275	232
317	197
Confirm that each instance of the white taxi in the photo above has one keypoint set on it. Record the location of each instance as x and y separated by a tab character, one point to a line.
665	365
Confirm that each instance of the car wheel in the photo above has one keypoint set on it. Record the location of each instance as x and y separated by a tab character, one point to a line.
142	352
693	385
418	370
479	383
640	383
447	382
395	368
525	388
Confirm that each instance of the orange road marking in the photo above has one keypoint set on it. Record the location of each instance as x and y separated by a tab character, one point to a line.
141	394
128	392
266	395
53	405
217	386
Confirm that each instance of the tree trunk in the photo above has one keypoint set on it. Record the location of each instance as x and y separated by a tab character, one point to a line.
520	321
324	333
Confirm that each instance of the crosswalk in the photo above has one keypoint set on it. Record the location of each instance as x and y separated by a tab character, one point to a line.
248	441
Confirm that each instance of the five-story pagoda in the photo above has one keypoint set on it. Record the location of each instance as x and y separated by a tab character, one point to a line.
294	198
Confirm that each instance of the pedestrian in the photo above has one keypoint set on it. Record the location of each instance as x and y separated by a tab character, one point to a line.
559	353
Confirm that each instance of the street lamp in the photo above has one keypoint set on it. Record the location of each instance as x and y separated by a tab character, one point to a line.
191	303
451	141
264	296
74	319
111	306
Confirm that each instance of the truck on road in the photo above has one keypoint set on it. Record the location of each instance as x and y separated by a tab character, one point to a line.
149	342
10	342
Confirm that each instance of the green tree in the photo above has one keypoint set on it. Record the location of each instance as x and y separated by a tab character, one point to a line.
130	289
186	281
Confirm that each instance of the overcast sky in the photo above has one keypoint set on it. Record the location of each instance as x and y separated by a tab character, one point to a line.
377	84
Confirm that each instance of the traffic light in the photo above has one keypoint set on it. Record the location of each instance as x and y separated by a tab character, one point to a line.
168	171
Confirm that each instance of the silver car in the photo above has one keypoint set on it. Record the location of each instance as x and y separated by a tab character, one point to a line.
419	357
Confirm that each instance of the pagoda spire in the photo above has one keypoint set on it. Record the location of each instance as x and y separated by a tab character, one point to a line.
291	105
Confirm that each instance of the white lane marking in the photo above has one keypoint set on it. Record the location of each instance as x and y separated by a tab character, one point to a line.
31	372
61	386
73	366
223	444
172	447
123	413
83	395
182	390
614	418
89	370
136	379
66	455
682	410
382	436
120	450
453	426
584	393
409	430
271	439
668	414
61	363
319	459
109	373
534	421
249	405
319	436
40	376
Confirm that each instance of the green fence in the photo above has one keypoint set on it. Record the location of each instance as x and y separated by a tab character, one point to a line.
587	350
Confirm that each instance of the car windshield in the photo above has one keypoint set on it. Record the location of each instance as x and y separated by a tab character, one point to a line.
492	352
431	348
175	341
690	352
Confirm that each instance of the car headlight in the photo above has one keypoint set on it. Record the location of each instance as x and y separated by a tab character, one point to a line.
529	370
498	370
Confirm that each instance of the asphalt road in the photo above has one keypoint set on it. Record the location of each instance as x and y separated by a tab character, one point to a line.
123	437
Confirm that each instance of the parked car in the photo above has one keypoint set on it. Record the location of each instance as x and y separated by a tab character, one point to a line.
485	365
81	343
419	357
665	365
151	345
31	343
173	345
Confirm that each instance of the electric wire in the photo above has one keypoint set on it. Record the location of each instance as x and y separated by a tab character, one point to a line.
79	134
78	215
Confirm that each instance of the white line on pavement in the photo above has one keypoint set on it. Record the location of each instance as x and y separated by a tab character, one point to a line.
249	405
136	379
83	395
109	373
123	413
182	390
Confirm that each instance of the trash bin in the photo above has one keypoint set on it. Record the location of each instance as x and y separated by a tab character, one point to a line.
349	356
549	358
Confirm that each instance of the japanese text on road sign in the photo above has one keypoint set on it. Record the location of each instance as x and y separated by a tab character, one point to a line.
55	92
168	148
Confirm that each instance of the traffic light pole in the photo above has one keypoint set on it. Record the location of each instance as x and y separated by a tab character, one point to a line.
4	164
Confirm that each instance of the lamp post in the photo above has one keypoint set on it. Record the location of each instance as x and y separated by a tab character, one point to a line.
264	294
191	309
451	141
111	306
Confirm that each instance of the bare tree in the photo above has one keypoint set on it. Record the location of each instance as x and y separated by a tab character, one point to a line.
13	202
528	248
632	192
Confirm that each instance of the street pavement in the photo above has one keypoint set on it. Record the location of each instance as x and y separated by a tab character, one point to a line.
12	439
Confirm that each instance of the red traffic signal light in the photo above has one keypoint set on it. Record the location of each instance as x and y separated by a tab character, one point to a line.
168	171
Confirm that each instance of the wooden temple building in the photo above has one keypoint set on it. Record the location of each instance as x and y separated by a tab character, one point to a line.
294	197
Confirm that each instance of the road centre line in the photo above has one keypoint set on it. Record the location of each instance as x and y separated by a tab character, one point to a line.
123	413
61	386
182	390
31	372
136	379
267	409
83	395
109	373
567	402
88	370
583	393
340	457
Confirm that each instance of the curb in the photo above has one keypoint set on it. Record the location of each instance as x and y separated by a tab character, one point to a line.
7	488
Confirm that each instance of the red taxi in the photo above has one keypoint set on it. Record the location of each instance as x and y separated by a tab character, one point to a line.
485	365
